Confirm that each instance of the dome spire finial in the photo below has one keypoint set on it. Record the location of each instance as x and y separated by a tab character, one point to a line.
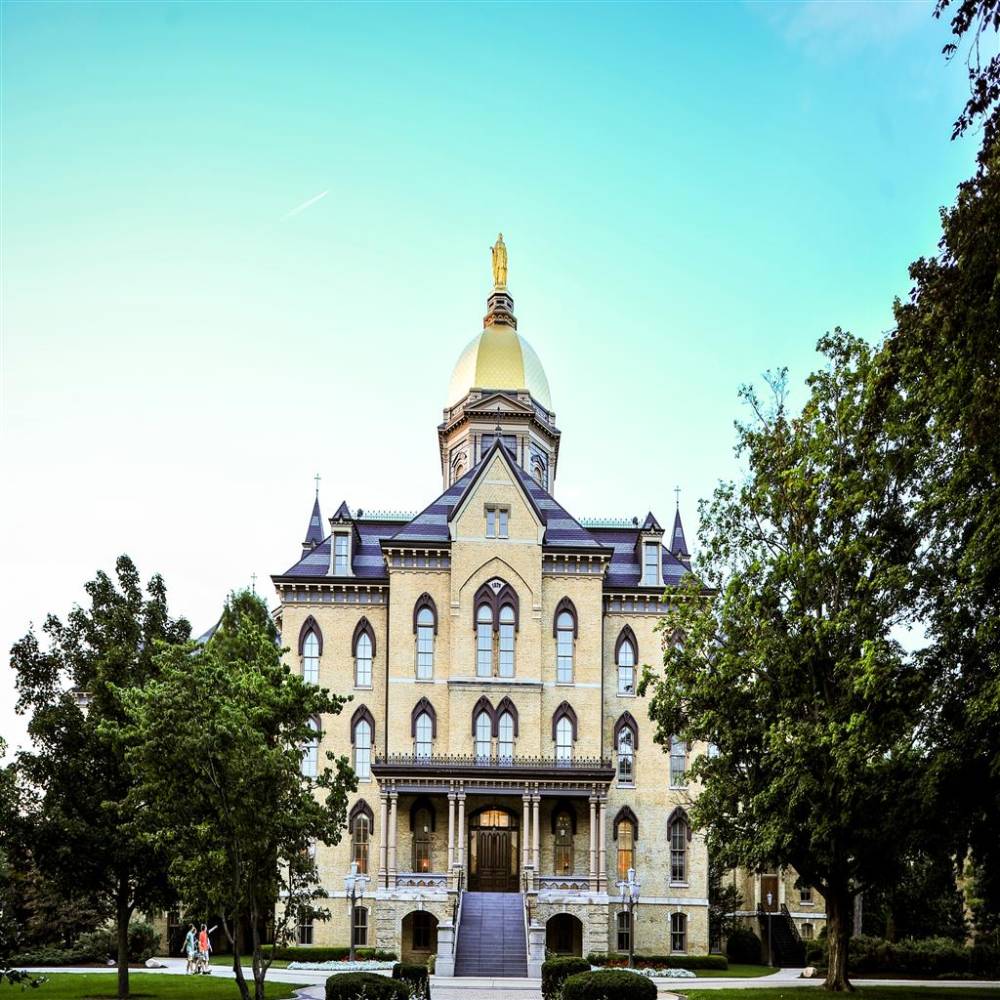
499	252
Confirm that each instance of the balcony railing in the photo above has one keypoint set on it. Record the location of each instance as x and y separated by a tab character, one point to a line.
472	761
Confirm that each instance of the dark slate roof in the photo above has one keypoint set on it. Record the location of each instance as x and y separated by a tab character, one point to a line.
678	543
367	561
561	529
343	512
625	570
651	524
314	534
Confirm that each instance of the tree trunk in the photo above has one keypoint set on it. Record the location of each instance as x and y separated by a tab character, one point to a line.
123	911
839	919
234	940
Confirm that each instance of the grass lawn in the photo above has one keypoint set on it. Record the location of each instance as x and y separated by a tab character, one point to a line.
736	972
226	961
143	986
862	993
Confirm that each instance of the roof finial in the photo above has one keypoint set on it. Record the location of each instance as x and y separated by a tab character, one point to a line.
677	497
253	582
499	251
316	477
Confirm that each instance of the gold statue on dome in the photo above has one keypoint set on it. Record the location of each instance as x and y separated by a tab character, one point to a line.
499	251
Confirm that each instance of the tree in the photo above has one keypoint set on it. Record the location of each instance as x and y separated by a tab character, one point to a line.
780	649
86	836
724	899
217	746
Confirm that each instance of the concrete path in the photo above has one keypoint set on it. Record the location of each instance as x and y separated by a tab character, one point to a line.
470	988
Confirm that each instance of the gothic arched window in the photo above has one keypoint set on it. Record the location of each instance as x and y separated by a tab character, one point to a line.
484	641
679	832
505	662
626	757
425	628
310	658
505	737
361	831
484	734
364	651
625	658
310	751
564	740
678	763
626	832
423	738
362	736
565	632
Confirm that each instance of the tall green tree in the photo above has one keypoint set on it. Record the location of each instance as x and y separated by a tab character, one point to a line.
86	836
217	749
782	655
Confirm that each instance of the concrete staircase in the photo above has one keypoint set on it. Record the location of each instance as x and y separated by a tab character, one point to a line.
491	935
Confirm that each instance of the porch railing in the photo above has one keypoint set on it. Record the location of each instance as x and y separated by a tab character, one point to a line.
472	762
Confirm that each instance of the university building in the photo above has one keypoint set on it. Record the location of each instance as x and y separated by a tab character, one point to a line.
491	644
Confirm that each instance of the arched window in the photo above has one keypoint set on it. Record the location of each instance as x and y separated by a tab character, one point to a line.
565	631
678	763
310	751
425	628
310	658
626	832
506	646
484	641
359	926
423	738
624	927
505	737
807	932
678	932
422	839
362	735
679	832
626	757
363	662
625	653
564	740
564	843
484	733
361	831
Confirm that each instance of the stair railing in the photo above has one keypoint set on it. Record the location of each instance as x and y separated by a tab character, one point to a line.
456	915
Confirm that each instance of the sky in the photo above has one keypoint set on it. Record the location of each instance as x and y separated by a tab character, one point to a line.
244	244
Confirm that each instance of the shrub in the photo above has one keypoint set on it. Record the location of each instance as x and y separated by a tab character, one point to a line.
660	961
98	946
351	985
309	953
609	984
143	942
743	947
413	973
431	963
555	970
928	958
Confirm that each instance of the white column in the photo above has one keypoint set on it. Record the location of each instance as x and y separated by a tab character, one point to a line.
602	847
383	838
461	830
393	823
451	831
526	831
536	804
593	844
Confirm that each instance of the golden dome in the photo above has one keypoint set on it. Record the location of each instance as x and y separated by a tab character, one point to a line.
499	358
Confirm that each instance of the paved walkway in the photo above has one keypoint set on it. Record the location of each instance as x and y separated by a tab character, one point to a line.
470	988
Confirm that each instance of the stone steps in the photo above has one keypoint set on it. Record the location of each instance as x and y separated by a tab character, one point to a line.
491	936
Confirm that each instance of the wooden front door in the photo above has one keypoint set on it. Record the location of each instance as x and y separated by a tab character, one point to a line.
493	852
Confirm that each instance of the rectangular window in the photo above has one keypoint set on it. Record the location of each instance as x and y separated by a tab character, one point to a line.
678	932
805	894
425	652
340	554
678	763
304	928
496	522
650	571
360	926
506	650
624	930
484	650
564	656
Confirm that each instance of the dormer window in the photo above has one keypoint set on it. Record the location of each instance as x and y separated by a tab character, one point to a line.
341	551
650	564
496	522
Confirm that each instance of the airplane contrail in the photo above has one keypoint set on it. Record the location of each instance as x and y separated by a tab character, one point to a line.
304	205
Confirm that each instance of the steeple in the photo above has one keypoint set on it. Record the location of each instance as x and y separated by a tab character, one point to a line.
678	543
314	533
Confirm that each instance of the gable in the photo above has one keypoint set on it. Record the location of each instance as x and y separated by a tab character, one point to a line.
497	485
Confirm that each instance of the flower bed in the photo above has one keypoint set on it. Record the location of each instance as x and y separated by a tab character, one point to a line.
341	965
655	973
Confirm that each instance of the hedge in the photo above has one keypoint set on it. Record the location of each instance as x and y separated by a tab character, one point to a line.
555	970
310	953
660	961
411	972
743	946
609	984
351	985
97	946
931	957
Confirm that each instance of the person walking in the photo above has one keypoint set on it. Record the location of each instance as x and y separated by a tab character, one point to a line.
204	949
190	948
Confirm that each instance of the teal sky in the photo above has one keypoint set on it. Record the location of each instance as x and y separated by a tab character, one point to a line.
690	194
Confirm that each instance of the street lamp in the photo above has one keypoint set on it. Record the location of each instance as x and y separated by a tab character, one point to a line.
770	949
629	890
354	890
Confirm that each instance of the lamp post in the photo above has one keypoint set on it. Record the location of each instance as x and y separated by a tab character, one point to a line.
354	890
770	948
629	890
